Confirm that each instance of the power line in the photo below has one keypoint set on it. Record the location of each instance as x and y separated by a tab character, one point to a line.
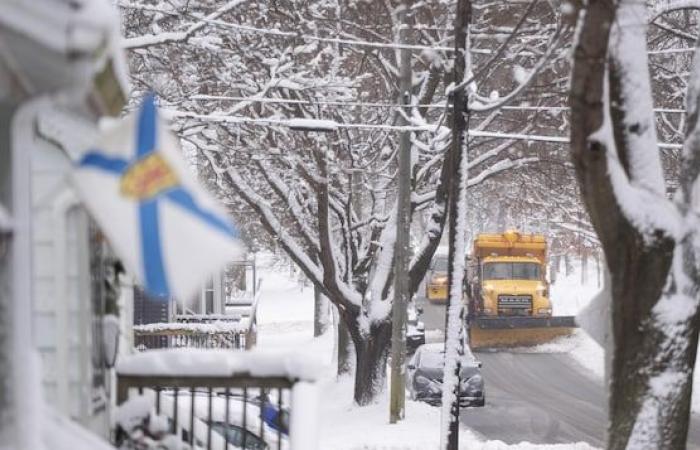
385	105
360	43
329	124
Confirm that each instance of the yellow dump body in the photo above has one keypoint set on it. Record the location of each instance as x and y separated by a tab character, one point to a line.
510	243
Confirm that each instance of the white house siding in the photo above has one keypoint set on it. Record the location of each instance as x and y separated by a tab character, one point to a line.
62	308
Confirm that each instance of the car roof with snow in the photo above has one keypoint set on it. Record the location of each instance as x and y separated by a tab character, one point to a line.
439	347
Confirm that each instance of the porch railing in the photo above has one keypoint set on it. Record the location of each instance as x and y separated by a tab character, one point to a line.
197	334
216	399
235	330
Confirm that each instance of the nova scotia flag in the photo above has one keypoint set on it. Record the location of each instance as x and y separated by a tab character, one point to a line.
166	229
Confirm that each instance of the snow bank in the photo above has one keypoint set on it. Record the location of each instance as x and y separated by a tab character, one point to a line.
221	363
569	295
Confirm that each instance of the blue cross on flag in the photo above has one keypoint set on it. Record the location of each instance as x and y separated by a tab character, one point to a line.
166	229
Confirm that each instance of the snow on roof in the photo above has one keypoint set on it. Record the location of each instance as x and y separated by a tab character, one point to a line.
220	363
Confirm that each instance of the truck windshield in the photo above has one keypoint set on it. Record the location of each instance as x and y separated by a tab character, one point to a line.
440	264
511	271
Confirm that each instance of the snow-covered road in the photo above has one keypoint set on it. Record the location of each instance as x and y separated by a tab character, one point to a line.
542	398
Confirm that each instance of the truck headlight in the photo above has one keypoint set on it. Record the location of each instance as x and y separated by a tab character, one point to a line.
544	311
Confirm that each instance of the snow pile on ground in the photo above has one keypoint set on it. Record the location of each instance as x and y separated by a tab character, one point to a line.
569	294
581	347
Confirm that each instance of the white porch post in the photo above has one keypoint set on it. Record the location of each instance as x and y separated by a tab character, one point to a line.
25	379
218	281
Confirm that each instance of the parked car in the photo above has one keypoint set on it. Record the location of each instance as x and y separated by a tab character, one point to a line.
273	414
425	370
415	329
257	436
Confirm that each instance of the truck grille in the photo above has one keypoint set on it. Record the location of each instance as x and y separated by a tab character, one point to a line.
512	302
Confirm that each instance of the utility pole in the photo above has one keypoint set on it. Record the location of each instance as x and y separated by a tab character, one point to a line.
403	224
457	220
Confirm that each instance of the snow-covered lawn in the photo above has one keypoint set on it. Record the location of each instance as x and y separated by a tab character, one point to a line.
286	321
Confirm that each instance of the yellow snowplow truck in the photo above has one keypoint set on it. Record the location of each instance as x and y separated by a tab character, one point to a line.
436	281
508	293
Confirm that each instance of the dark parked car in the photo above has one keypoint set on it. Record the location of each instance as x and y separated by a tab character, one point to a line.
415	329
425	377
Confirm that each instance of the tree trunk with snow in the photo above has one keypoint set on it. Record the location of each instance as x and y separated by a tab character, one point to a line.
345	348
649	241
320	312
458	163
371	353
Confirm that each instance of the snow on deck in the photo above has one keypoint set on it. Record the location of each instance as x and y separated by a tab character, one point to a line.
220	363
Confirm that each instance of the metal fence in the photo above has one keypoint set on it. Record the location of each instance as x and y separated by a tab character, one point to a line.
239	411
176	335
235	330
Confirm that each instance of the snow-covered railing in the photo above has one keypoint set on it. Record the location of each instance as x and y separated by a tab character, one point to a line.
198	334
207	398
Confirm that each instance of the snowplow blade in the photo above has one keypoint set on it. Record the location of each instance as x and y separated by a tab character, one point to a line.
504	332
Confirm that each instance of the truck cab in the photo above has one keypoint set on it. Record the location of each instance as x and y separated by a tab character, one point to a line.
508	276
436	280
